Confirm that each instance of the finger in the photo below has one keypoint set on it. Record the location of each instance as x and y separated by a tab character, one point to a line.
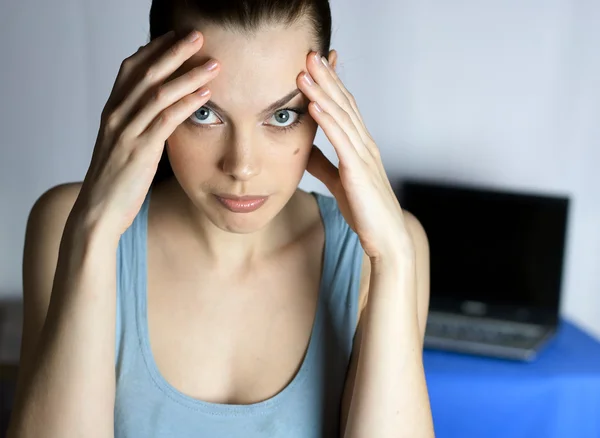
155	47
156	72
169	119
316	93
332	85
328	79
169	93
143	55
337	136
321	168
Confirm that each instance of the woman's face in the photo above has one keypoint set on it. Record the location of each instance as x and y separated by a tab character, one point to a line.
237	144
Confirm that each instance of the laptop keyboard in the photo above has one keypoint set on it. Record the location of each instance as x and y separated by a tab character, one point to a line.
515	335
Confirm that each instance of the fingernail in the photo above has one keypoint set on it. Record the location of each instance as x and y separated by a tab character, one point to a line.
308	79
193	36
324	61
318	107
211	65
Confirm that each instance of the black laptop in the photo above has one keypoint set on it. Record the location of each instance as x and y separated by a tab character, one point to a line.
496	259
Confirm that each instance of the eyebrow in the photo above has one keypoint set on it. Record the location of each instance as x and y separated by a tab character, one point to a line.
285	99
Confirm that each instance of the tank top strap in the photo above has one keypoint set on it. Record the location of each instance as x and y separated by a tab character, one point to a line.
131	258
344	263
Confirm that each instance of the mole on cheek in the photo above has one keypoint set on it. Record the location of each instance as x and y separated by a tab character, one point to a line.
296	151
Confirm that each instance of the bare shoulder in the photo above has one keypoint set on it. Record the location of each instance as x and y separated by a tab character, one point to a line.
49	214
56	202
416	231
45	226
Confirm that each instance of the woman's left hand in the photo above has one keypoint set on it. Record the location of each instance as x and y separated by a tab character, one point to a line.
360	185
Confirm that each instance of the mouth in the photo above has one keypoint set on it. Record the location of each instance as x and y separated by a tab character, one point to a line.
241	204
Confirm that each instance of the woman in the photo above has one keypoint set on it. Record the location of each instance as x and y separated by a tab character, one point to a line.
240	303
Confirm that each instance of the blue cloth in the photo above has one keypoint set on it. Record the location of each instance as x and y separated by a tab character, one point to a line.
557	396
147	406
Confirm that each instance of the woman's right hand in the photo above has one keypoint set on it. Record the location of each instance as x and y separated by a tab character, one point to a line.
140	114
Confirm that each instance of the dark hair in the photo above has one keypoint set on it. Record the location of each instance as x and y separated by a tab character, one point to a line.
247	16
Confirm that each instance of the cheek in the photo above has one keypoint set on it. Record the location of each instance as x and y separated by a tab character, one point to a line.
289	154
292	149
291	163
295	148
186	156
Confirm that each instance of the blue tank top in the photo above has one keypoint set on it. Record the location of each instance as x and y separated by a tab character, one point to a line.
147	406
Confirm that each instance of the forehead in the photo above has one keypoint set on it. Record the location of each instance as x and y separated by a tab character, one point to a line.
255	69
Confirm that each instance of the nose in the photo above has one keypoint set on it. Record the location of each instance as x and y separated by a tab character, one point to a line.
241	161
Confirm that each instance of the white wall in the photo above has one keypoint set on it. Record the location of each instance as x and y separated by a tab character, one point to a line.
497	93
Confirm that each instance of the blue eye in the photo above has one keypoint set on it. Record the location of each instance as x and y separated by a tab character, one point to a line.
201	115
284	116
202	118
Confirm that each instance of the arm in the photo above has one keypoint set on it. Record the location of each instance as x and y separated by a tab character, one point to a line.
389	395
67	384
403	369
66	372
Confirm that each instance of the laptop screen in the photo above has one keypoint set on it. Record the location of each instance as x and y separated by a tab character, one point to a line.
503	249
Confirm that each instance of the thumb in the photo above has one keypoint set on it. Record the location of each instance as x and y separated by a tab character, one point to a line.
321	168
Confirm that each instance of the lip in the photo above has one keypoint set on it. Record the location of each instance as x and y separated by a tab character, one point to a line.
241	204
241	198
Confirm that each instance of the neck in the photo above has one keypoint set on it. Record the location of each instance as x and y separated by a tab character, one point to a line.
222	249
